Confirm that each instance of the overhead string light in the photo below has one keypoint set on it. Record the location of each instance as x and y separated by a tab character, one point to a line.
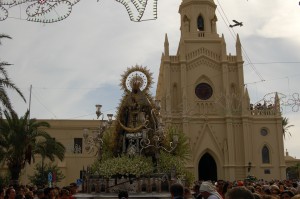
43	11
137	8
50	11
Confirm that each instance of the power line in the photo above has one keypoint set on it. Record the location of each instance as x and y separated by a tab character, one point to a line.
286	62
43	105
233	35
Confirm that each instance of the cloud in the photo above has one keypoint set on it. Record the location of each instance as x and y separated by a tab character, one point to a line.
283	23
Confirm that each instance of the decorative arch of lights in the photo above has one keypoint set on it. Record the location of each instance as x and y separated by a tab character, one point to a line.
50	11
291	101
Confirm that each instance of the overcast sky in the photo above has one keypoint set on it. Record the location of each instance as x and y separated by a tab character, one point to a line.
77	62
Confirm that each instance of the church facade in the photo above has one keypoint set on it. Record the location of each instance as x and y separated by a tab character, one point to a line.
202	92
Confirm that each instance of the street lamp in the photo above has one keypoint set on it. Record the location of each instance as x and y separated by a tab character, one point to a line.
94	141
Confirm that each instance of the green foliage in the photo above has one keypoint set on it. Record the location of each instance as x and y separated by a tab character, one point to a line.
4	180
138	166
40	176
22	138
176	159
182	149
6	83
123	165
286	126
169	162
189	178
107	147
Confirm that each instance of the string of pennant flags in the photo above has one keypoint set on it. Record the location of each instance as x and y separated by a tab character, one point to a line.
50	11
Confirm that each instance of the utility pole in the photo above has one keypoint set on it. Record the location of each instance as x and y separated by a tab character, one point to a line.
30	90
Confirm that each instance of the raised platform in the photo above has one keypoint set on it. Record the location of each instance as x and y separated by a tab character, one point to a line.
131	195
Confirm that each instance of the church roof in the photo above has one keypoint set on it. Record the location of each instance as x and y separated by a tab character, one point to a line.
289	158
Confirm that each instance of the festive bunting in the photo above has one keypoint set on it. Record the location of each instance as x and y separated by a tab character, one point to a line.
50	11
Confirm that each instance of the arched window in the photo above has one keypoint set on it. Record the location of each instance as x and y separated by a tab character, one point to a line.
200	23
265	155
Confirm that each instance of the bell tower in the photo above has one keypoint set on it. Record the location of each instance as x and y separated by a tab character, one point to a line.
198	19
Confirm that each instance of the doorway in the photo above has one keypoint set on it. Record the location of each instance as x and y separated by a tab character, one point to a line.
207	168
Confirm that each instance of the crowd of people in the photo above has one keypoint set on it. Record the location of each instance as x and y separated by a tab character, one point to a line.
201	190
32	192
238	190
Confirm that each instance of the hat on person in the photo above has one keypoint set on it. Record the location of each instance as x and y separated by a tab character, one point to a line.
207	186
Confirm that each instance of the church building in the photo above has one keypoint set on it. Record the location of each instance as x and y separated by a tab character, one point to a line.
202	92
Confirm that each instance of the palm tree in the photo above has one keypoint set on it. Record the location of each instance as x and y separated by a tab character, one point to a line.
22	138
5	83
286	126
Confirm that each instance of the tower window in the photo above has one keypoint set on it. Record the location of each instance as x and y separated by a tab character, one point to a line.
265	155
200	23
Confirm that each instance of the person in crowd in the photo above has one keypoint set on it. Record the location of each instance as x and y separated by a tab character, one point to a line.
258	189
64	194
251	188
52	193
196	190
123	195
239	193
10	193
2	192
266	189
176	190
256	195
29	194
208	191
73	190
275	191
286	194
226	187
281	187
20	192
296	196
268	197
219	187
294	190
187	193
40	194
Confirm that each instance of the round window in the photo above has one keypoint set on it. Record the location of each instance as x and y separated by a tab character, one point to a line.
264	132
203	91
